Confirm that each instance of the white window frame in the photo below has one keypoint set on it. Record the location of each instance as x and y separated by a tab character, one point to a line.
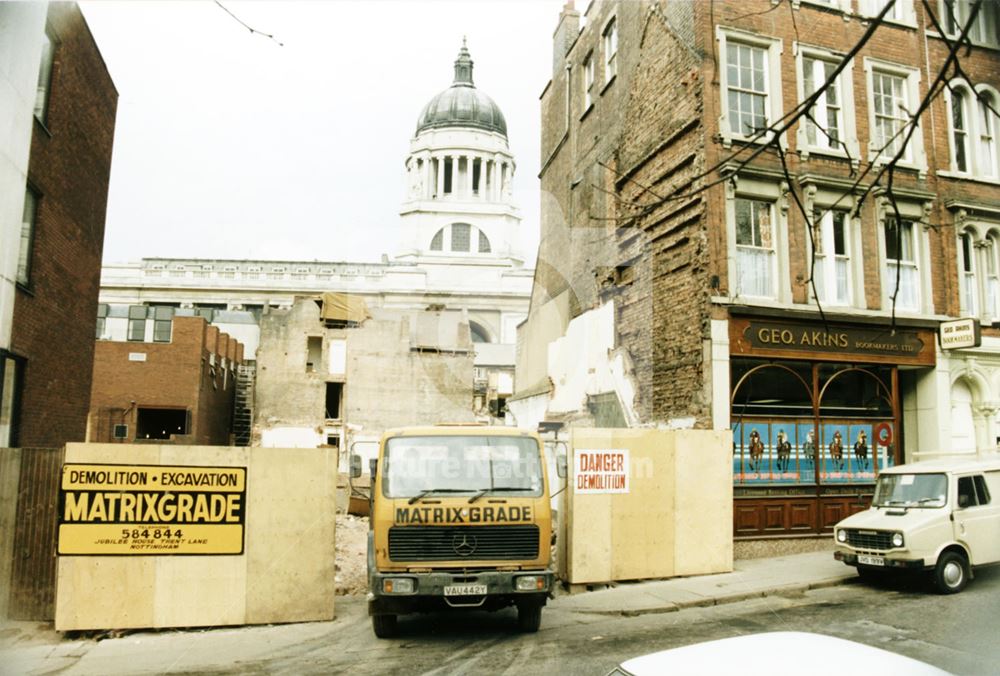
773	107
841	5
914	157
26	241
588	83
43	92
914	213
968	272
609	43
827	270
982	159
764	190
848	121
953	143
979	34
991	275
902	12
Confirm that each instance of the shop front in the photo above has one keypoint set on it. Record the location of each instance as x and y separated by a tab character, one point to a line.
816	413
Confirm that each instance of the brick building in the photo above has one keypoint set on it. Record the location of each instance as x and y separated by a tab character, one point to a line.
793	296
58	133
173	379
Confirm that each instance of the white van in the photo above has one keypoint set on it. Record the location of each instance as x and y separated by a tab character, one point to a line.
940	515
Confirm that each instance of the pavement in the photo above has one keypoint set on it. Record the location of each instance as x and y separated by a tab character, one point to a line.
36	648
750	578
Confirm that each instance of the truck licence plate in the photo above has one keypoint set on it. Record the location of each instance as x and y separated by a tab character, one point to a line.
465	590
866	560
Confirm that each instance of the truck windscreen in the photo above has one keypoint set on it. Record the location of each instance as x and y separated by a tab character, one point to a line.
461	464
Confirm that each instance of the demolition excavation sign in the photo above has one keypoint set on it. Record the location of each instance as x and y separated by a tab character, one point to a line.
151	509
600	471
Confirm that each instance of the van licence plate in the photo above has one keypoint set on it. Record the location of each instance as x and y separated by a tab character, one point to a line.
465	590
866	560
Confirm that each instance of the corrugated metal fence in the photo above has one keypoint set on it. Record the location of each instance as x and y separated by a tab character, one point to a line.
29	502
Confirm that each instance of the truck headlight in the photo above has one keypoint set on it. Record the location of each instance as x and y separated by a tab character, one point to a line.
397	585
529	583
842	535
897	539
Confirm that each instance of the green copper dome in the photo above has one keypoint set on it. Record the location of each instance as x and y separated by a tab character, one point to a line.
462	105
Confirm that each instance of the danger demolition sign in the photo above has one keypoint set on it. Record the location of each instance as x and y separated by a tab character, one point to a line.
107	509
600	471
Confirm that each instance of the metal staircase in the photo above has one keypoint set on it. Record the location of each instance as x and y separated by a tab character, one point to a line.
246	375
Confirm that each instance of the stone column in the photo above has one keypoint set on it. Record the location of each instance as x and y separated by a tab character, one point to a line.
427	176
468	179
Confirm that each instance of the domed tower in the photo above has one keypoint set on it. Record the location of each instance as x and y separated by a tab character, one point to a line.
458	201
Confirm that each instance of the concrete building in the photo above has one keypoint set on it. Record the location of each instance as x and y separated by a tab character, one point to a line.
57	122
166	377
457	252
332	373
691	275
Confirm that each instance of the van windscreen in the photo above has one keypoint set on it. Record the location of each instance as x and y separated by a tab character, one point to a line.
911	490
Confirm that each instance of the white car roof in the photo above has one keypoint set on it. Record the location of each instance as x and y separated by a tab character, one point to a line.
777	653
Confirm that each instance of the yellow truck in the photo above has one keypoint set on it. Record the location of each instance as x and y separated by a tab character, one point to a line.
460	518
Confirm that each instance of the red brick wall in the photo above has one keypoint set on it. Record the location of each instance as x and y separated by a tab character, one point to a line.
174	375
70	164
667	261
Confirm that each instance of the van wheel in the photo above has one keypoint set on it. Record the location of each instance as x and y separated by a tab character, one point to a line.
951	573
384	625
529	617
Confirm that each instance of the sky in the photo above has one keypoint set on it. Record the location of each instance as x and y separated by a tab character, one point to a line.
229	145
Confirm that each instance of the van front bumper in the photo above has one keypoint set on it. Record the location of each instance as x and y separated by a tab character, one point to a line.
851	559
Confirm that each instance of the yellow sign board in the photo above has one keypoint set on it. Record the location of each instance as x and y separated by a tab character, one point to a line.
109	509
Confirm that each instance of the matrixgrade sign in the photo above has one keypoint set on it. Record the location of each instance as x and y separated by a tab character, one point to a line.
151	509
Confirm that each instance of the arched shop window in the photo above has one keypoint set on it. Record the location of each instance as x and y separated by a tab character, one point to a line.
772	413
788	430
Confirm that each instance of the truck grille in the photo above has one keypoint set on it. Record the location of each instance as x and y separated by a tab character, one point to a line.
479	543
869	539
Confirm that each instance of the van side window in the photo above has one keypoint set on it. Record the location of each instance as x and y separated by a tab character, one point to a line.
966	492
982	490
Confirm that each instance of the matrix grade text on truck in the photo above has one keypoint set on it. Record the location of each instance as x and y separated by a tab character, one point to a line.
460	519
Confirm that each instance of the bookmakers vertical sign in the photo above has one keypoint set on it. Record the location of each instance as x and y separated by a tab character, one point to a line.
151	509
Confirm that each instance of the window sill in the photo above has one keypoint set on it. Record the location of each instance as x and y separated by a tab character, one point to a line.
898	23
728	140
807	152
586	112
835	7
24	288
982	45
878	162
967	177
608	83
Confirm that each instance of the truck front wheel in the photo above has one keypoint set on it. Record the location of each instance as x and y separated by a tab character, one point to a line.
529	617
384	625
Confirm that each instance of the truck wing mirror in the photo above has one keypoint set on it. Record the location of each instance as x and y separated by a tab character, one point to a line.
355	466
561	468
372	466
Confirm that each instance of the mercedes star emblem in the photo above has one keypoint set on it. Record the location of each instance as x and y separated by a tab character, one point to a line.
463	544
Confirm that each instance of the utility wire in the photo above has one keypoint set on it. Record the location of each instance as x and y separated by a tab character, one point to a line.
245	25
